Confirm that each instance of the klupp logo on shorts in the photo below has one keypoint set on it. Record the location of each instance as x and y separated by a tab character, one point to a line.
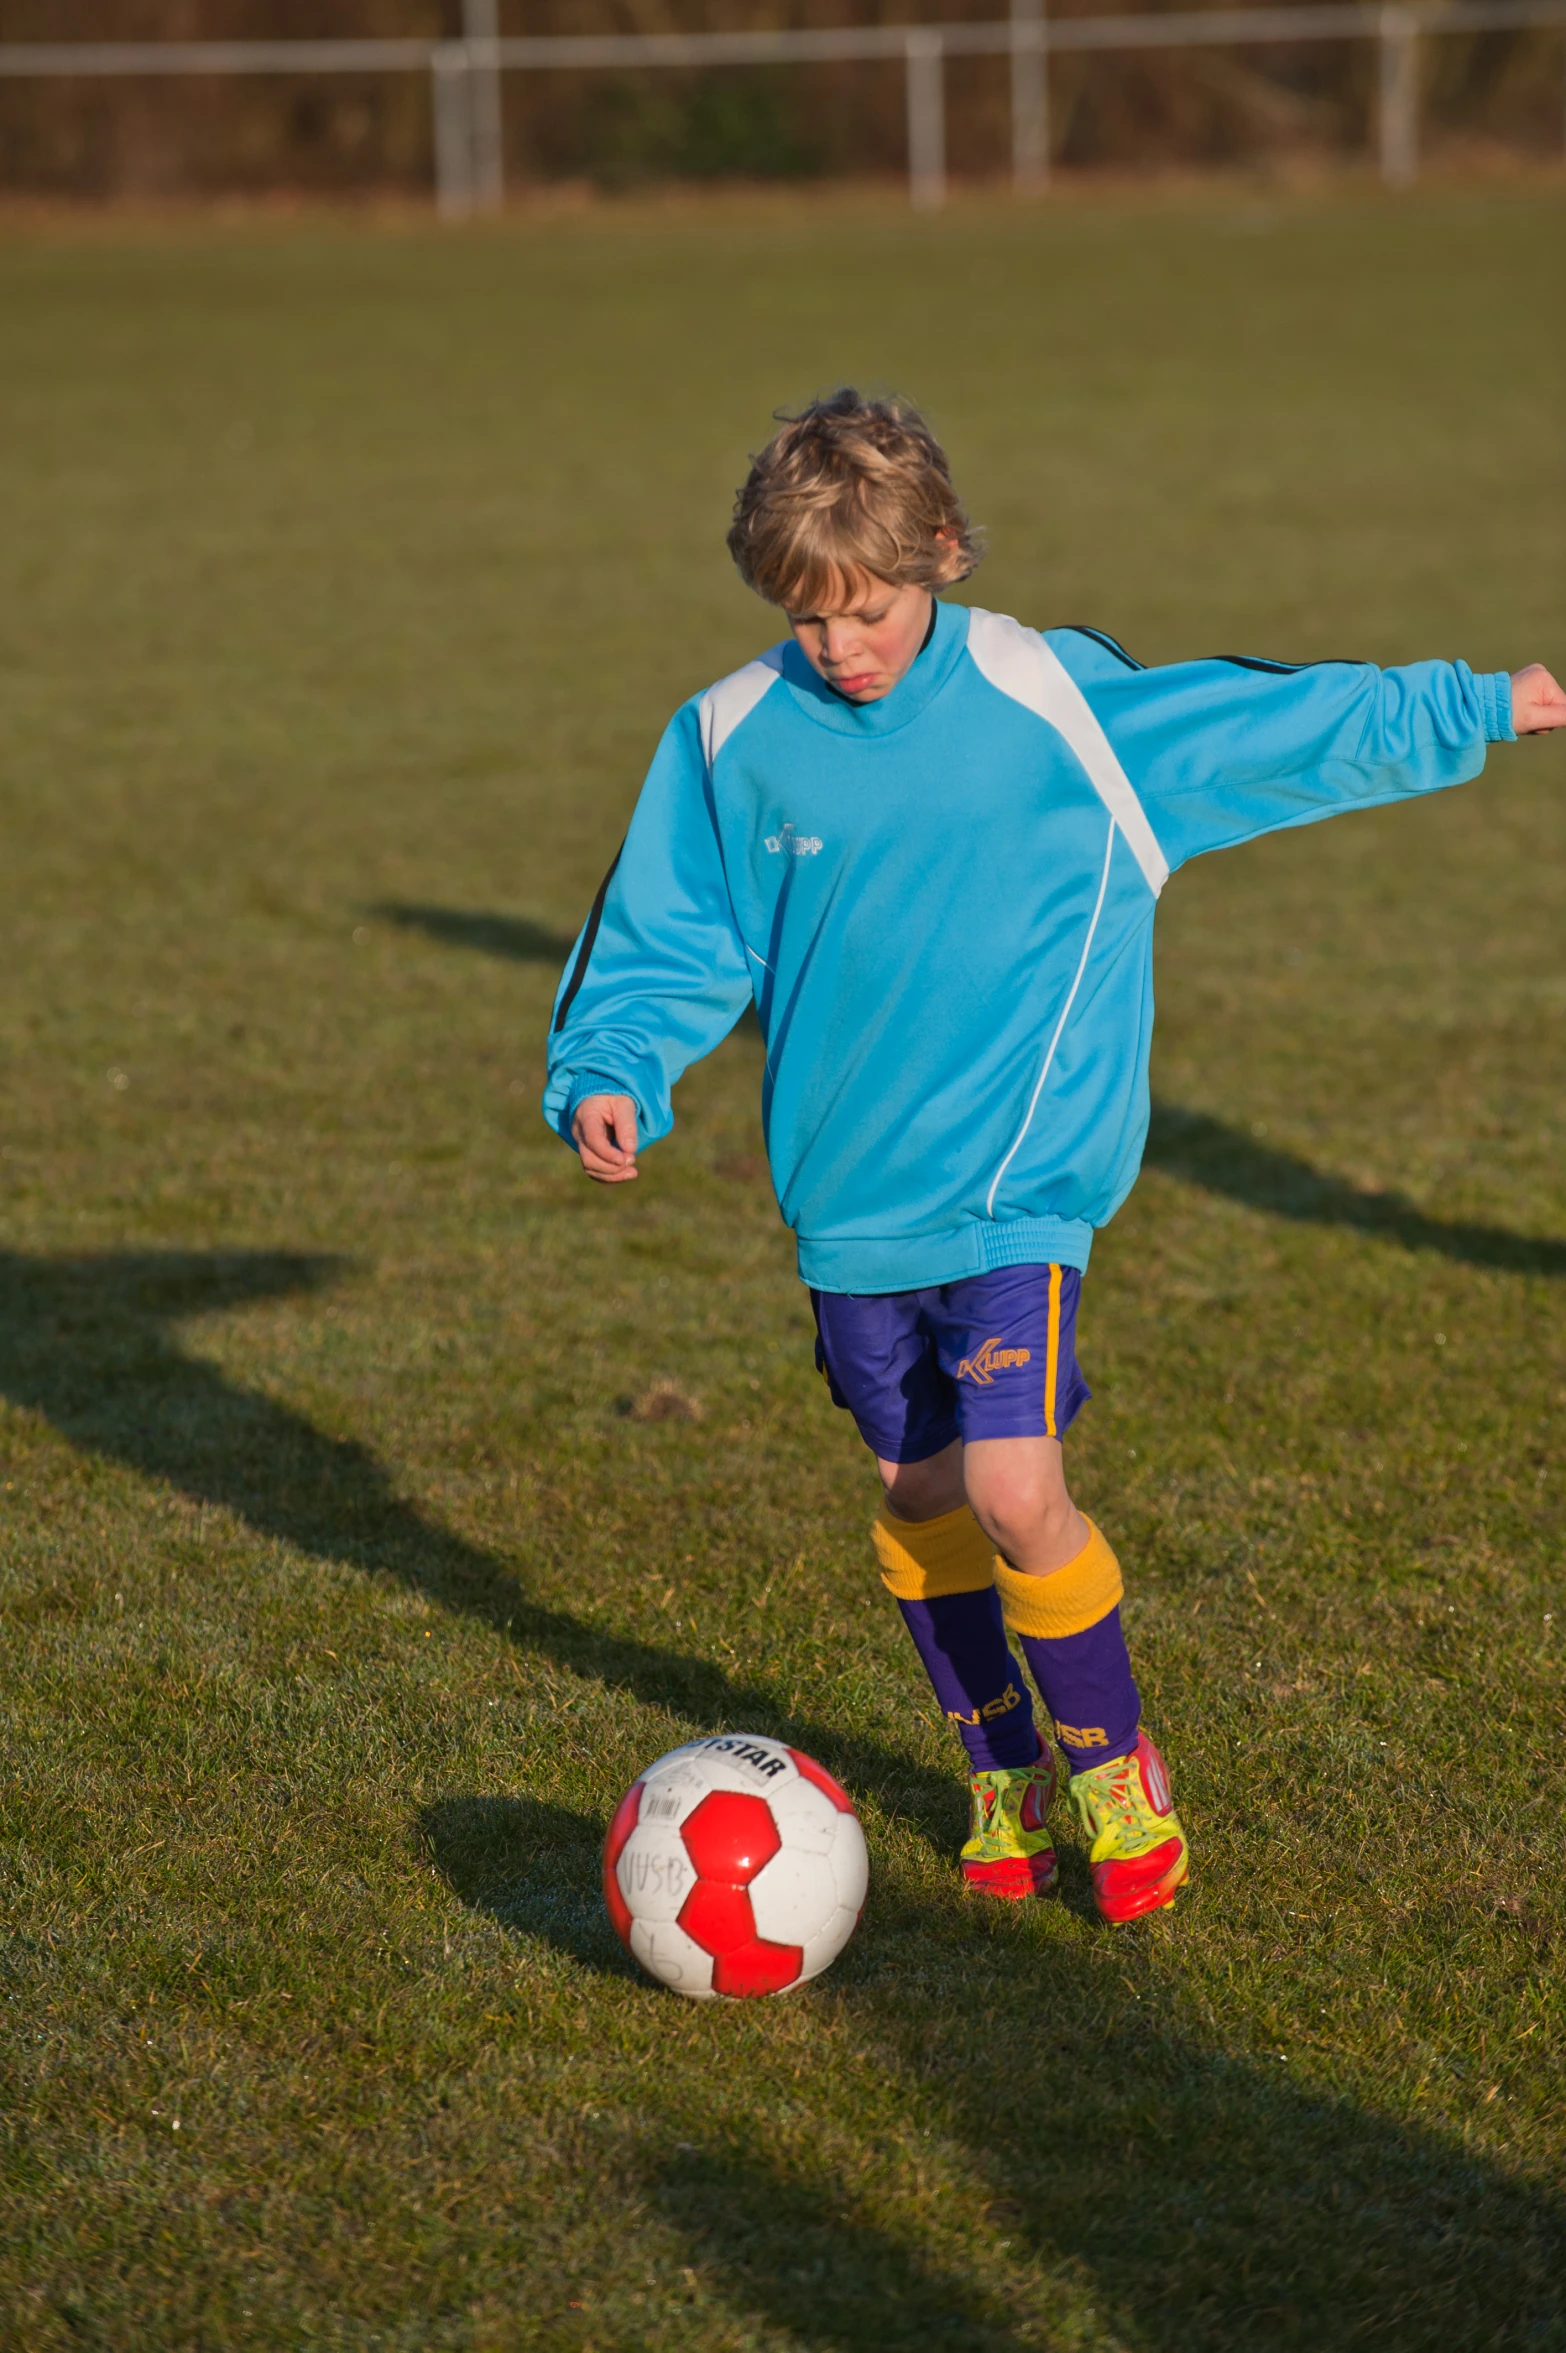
789	844
991	1359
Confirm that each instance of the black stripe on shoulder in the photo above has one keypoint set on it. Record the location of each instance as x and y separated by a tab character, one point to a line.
1289	669
1109	644
584	952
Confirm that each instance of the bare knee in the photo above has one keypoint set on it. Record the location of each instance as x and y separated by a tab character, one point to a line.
924	1490
1023	1516
1017	1487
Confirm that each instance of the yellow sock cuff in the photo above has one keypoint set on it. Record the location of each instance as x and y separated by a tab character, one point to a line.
1068	1600
922	1559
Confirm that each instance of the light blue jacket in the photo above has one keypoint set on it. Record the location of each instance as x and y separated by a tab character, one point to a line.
941	906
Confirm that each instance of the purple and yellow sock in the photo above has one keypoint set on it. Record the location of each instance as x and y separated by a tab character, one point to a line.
1069	1627
941	1574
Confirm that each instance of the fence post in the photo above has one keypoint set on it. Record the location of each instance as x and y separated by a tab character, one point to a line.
924	59
1399	96
1029	96
481	32
451	98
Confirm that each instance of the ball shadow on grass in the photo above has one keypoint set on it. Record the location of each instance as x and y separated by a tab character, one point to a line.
531	1866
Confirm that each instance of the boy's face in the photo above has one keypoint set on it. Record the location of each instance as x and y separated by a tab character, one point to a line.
866	638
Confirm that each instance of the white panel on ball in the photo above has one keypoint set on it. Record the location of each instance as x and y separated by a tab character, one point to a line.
850	1863
655	1872
744	1761
806	1817
667	1798
666	1952
793	1897
824	1947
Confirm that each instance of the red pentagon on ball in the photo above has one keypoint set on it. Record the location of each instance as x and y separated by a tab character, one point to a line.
758	1968
719	1919
729	1836
620	1829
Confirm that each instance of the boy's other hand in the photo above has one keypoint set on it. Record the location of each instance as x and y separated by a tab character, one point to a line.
1538	704
603	1128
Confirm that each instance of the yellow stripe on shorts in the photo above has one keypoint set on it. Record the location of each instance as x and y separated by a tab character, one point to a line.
1052	1353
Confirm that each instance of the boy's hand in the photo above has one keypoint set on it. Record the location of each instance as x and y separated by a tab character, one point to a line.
604	1130
1538	704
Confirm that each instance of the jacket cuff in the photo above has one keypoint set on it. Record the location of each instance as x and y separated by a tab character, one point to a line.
594	1082
1495	694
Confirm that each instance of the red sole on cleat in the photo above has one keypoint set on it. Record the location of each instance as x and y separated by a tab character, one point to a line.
1015	1880
1143	1900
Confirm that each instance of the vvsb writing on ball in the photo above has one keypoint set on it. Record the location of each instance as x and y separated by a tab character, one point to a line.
735	1866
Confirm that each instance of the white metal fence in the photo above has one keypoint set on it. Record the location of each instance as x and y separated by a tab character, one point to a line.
465	75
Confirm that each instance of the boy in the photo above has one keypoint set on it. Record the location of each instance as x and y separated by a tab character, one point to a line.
926	843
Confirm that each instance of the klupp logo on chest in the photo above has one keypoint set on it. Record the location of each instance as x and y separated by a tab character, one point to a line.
787	843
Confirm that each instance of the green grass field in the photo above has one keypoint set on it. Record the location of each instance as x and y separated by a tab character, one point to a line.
349	574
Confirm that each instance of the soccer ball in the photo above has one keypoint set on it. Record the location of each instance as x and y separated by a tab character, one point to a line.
735	1866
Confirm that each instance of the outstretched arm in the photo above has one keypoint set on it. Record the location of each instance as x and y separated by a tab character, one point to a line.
1220	751
1538	703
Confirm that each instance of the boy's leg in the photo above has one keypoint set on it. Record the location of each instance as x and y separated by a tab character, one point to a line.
1064	1606
1009	1342
936	1561
1060	1588
941	1573
939	1566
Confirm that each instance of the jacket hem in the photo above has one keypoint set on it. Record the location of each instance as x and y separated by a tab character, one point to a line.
876	1263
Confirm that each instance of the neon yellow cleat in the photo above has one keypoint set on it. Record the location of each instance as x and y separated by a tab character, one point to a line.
1140	1855
1009	1852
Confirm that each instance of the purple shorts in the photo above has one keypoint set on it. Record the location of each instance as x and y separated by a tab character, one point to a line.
994	1356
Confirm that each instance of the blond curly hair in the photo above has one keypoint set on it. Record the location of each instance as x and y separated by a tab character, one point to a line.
850	488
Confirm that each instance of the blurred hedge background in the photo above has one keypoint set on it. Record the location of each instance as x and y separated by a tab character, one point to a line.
340	134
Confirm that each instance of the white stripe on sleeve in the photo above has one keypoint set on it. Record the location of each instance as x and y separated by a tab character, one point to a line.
1018	663
725	706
